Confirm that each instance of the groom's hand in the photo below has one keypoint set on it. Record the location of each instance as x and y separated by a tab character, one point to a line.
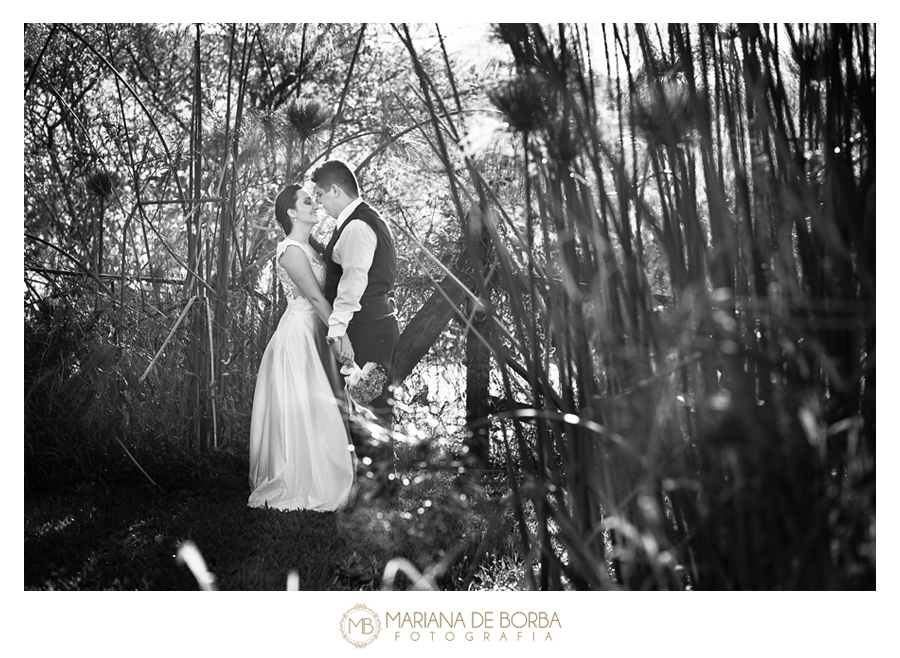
343	350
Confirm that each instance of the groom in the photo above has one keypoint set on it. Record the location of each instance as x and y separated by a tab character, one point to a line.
359	283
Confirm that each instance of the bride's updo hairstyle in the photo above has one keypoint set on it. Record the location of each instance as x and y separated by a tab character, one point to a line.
284	202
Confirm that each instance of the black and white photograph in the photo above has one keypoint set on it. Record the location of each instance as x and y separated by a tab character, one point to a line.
449	307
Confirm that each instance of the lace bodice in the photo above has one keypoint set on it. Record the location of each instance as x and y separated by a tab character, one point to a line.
297	303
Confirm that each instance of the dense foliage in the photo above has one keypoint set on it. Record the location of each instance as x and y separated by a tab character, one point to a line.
657	242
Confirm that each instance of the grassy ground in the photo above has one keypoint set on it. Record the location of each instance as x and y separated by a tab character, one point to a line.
123	533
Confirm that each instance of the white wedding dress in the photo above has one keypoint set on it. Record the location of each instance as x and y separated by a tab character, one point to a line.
300	453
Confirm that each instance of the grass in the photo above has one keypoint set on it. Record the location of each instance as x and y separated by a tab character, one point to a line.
123	534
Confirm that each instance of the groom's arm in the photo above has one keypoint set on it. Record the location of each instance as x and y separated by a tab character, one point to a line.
354	252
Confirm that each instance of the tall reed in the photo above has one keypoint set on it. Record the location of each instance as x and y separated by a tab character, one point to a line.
682	312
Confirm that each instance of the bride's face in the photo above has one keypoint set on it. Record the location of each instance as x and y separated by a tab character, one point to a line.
305	208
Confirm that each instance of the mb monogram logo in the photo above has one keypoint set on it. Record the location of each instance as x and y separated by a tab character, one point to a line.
360	626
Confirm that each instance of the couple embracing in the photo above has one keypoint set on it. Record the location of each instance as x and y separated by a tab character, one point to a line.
340	312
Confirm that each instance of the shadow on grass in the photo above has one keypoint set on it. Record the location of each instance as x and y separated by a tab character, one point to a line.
123	534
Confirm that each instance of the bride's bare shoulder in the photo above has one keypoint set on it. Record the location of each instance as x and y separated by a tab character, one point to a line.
289	242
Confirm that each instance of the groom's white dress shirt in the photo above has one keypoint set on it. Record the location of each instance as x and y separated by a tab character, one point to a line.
354	252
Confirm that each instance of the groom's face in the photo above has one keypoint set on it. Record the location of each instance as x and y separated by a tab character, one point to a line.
327	198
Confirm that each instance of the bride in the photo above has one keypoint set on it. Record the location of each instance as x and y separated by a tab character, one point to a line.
300	451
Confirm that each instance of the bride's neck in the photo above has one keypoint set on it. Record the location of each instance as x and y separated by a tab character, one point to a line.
300	233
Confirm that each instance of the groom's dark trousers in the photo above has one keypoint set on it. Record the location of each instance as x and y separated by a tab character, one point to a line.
376	341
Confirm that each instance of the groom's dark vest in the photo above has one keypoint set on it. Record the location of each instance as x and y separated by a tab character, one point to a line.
378	299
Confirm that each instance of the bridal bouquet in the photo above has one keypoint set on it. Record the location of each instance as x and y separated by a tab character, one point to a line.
366	383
